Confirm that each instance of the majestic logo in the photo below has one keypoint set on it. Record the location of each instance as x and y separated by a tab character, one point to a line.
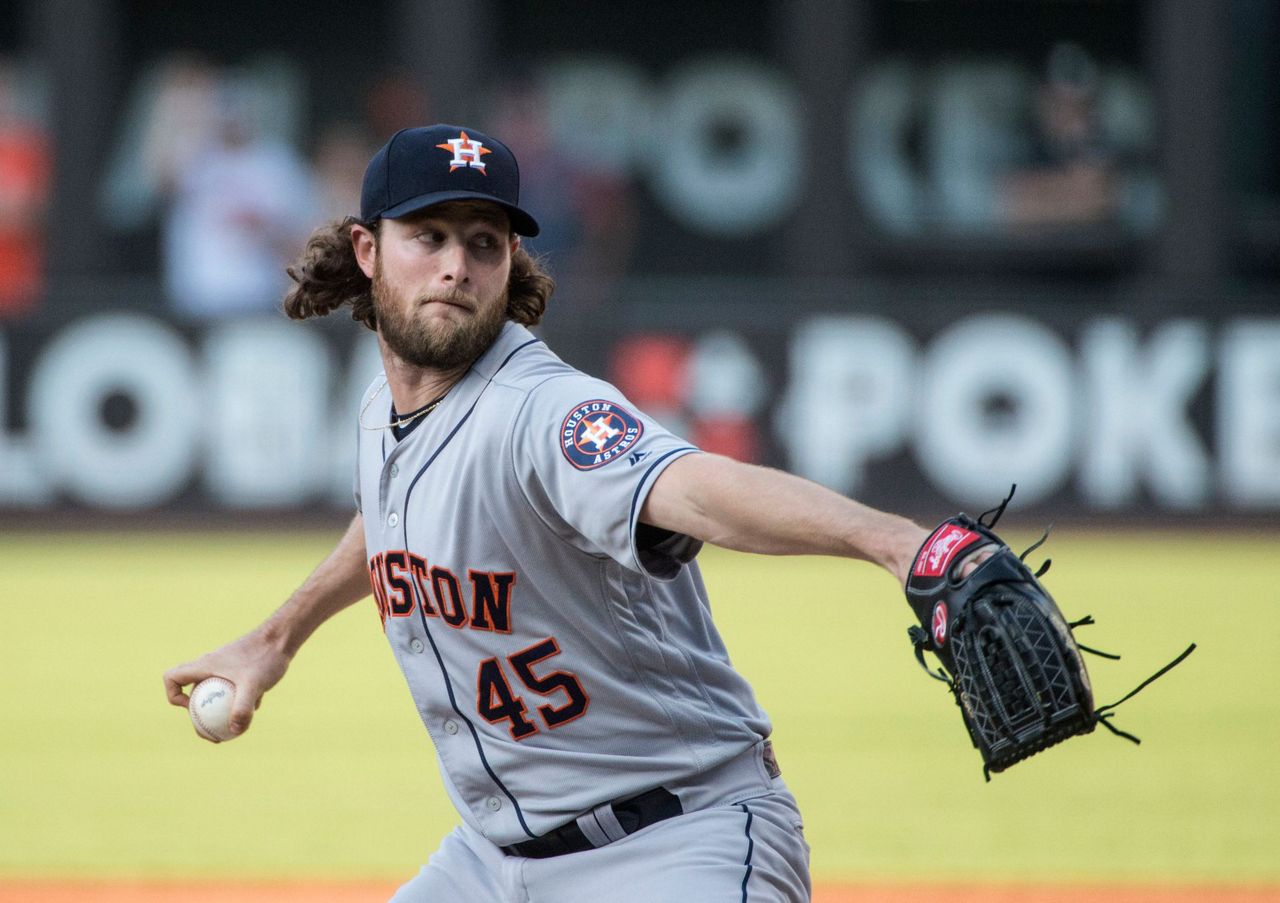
466	152
597	432
939	624
938	552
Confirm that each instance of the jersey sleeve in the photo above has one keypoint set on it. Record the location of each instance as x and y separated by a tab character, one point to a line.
586	459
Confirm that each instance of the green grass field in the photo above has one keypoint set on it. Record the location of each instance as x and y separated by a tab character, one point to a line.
100	778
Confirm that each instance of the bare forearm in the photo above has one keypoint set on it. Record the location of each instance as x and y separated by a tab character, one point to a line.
257	661
339	581
756	509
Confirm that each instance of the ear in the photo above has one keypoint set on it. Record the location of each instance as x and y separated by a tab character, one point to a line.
515	242
365	244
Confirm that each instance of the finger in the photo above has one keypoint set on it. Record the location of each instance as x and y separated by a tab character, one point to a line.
974	559
242	709
177	678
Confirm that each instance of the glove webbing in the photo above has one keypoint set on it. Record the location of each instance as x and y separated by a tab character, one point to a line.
1102	715
1020	670
1028	687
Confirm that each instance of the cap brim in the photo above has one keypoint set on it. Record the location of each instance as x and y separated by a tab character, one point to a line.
521	222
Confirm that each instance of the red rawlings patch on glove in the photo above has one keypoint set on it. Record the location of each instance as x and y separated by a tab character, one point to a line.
941	549
940	624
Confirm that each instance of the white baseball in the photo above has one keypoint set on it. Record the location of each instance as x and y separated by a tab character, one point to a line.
210	708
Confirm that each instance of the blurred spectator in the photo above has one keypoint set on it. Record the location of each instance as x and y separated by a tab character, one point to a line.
241	209
396	101
207	152
978	145
584	202
172	117
1068	174
24	193
549	181
342	152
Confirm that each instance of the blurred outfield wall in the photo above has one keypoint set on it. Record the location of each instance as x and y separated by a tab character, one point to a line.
914	249
1095	414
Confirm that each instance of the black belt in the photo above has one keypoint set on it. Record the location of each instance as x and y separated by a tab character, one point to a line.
633	814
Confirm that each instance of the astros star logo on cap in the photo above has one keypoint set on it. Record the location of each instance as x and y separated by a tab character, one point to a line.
466	152
408	174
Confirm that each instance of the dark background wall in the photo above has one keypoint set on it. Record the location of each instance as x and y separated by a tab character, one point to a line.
1047	230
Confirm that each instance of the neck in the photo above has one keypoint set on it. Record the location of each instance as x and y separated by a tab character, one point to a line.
412	386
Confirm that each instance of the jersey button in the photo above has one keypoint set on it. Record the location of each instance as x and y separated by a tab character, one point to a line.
451	726
393	519
416	645
395	471
493	804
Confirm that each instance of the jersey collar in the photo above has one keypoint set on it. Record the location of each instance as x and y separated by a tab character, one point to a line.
512	336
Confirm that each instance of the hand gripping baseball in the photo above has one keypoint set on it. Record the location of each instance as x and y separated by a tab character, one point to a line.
252	663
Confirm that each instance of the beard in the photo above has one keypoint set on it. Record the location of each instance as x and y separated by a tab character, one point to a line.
435	344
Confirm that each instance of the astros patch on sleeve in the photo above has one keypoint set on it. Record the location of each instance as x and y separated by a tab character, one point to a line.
597	432
588	459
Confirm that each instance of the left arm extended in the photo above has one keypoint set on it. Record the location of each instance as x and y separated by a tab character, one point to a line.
756	509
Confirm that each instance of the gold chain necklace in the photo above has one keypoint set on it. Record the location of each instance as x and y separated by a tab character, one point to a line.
400	423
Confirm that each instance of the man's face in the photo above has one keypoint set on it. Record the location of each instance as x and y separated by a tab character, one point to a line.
440	282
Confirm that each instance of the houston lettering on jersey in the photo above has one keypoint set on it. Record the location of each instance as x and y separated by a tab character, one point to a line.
403	581
484	604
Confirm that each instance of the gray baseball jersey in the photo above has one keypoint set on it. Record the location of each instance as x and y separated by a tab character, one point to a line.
560	654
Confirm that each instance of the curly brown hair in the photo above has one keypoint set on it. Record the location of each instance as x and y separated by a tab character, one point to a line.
328	276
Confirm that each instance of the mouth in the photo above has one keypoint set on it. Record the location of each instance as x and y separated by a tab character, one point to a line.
457	303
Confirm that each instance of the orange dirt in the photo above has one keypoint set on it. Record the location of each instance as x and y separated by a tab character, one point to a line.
266	892
1043	894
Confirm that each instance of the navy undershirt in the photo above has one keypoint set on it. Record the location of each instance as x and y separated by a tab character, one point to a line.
401	431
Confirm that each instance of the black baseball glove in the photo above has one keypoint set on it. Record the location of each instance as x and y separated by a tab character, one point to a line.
1010	657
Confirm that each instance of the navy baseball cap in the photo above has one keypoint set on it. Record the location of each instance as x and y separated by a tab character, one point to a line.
421	167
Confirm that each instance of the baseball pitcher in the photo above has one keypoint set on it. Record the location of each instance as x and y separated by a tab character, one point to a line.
531	541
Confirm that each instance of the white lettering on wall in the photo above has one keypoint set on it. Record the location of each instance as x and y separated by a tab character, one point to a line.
996	408
146	461
999	399
727	151
268	413
1137	422
1249	413
848	399
261	415
22	482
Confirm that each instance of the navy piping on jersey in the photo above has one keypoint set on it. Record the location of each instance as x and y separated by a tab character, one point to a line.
751	846
448	684
645	479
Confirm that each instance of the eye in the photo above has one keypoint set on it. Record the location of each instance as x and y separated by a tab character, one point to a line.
485	240
431	236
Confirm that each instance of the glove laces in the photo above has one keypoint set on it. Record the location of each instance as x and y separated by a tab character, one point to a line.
1102	715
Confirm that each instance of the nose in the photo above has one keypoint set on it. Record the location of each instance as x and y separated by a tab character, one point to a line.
454	264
